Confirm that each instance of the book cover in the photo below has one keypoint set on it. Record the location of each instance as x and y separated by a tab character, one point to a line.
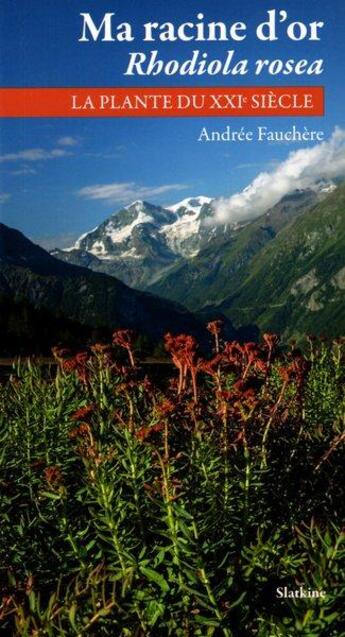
172	318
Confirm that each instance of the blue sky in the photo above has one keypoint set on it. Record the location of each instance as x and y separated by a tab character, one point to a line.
46	163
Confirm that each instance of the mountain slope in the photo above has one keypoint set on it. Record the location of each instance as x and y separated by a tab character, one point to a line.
219	270
29	273
26	330
296	284
140	243
127	245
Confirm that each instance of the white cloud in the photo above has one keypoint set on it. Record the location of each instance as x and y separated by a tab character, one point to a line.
24	171
34	154
126	192
4	196
301	169
256	164
67	141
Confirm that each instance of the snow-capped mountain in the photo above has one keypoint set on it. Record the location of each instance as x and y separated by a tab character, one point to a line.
57	300
187	234
141	241
175	225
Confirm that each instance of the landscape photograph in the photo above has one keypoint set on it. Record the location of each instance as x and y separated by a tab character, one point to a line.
172	345
172	414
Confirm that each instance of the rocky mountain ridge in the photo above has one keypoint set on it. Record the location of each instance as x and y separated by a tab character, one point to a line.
29	273
141	242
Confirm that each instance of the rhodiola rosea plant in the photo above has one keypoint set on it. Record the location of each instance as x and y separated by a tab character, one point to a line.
177	504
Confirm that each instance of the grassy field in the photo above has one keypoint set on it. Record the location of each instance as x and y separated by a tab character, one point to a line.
174	504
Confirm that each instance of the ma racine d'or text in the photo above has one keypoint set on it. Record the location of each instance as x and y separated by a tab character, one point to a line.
275	26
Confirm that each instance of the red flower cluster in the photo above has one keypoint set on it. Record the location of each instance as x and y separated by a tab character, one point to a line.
146	432
81	431
101	348
183	353
242	357
165	408
52	475
240	401
124	339
78	364
215	328
297	370
83	413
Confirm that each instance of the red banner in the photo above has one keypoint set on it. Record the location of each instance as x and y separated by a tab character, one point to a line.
249	101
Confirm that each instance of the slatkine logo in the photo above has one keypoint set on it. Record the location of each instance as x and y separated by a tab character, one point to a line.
298	593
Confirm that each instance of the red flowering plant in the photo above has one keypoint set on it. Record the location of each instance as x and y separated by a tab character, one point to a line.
239	361
183	351
83	413
53	481
233	355
69	365
165	407
138	505
250	356
146	432
77	364
215	328
212	368
240	357
83	430
52	476
103	356
239	402
271	342
101	348
124	338
60	353
150	433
